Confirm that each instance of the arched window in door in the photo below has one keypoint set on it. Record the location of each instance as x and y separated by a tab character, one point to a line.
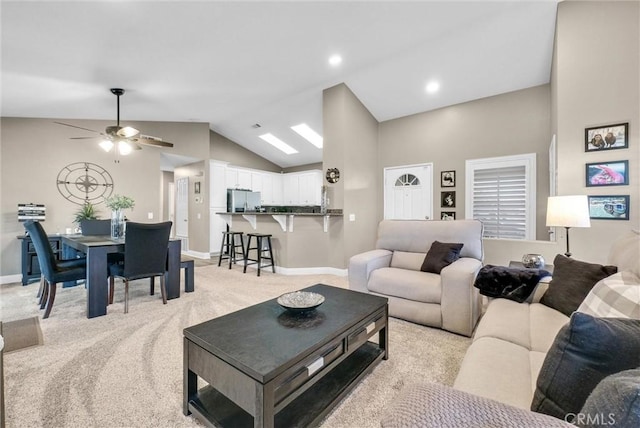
407	180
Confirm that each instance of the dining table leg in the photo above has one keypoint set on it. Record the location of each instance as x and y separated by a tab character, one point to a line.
97	281
172	276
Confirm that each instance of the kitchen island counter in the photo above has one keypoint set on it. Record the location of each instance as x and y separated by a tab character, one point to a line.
299	240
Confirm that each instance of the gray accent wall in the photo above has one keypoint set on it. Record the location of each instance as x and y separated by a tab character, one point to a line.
595	80
508	124
350	144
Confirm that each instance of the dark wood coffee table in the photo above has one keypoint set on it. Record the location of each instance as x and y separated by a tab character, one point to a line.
267	367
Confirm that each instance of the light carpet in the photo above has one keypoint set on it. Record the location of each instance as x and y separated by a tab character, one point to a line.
125	370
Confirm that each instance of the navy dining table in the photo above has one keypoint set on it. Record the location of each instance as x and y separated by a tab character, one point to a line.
96	249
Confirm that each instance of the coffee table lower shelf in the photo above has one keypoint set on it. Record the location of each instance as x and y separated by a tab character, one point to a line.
308	409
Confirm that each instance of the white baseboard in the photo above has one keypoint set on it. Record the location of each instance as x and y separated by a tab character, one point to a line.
10	279
196	254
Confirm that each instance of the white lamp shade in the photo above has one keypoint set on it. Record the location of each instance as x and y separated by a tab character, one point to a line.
568	211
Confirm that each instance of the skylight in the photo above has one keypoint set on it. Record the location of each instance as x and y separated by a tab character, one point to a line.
278	143
308	134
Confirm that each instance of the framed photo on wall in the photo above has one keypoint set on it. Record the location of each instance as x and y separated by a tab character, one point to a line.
609	207
448	199
607	137
448	215
614	173
447	179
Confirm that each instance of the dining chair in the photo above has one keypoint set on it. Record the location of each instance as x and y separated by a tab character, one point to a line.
145	256
95	227
53	271
100	228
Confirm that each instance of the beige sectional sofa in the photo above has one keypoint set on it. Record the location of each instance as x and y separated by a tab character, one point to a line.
502	364
512	339
447	300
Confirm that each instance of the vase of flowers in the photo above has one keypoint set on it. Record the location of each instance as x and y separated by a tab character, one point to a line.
117	204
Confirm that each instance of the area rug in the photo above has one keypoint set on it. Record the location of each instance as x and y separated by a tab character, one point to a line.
125	370
21	334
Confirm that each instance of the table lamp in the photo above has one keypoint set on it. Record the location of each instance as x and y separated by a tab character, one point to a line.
568	211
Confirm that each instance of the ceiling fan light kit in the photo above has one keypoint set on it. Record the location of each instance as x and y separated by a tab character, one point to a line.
126	138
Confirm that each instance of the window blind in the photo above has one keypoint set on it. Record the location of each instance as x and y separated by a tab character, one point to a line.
500	201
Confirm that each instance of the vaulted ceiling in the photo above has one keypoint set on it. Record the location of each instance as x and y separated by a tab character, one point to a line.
237	64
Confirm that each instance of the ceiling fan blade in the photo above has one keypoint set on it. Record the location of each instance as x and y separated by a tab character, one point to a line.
153	141
79	127
82	138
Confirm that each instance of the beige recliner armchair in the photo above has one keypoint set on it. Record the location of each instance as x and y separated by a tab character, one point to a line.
447	300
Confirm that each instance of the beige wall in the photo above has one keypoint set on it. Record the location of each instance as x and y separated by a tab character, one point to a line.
596	83
306	167
508	124
34	151
350	141
223	149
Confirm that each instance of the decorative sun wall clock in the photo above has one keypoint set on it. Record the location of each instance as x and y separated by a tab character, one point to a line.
83	182
333	175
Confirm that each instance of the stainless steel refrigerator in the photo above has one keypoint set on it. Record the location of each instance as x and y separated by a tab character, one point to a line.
239	200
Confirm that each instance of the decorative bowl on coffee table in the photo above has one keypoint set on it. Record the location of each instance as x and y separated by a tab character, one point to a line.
300	301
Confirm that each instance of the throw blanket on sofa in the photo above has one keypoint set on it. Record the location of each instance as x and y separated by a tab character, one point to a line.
509	283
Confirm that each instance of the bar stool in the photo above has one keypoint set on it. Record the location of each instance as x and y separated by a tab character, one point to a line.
229	244
263	245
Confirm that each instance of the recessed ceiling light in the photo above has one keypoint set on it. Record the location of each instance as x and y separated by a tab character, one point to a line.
432	87
308	134
335	60
278	143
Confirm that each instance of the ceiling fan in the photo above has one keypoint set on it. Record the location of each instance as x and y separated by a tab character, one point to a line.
125	139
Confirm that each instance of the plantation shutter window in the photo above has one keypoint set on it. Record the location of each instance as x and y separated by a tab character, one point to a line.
501	194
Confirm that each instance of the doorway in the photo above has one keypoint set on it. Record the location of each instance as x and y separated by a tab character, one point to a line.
182	211
408	192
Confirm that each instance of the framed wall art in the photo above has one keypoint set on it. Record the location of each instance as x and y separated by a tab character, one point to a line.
609	207
448	215
447	179
607	137
614	173
448	199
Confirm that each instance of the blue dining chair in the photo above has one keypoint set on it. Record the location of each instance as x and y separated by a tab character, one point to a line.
53	271
145	256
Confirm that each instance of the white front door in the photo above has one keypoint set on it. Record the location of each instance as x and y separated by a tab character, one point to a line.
182	207
408	192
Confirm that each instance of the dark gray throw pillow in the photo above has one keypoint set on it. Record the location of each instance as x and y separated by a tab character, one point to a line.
440	255
572	280
584	352
615	402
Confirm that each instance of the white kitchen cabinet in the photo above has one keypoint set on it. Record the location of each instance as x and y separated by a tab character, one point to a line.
257	179
291	189
238	178
231	178
302	188
244	179
218	184
266	189
277	189
310	187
